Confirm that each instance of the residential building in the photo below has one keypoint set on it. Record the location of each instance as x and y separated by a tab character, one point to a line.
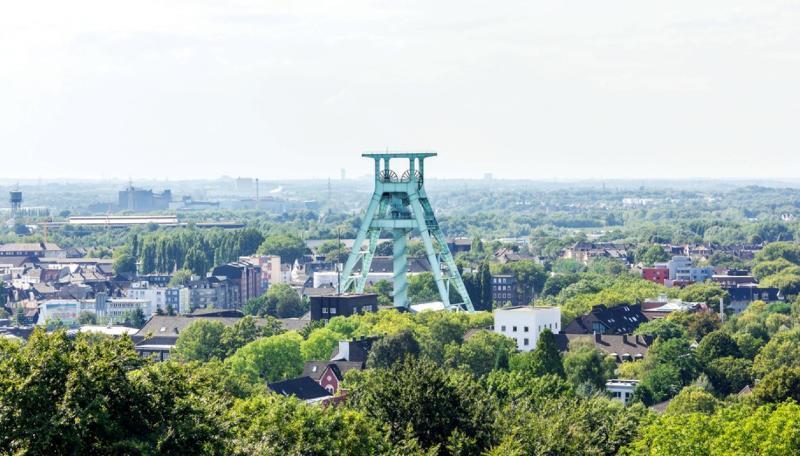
329	374
32	249
525	323
210	292
622	347
116	309
682	271
355	350
327	307
733	280
742	295
303	388
381	268
656	274
584	251
621	390
459	244
143	291
505	290
621	319
243	275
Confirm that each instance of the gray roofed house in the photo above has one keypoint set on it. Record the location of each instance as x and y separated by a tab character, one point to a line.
623	347
303	388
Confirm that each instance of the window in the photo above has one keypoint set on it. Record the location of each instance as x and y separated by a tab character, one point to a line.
514	328
526	329
333	310
503	328
526	342
324	310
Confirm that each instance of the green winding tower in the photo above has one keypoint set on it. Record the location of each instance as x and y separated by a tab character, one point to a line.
400	205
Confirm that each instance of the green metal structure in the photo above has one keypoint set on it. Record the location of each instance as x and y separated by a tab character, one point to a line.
399	204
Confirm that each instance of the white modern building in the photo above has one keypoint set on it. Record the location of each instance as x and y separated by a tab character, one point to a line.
142	291
621	390
525	323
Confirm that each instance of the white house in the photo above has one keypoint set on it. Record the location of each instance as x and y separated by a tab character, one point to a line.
621	390
525	323
142	291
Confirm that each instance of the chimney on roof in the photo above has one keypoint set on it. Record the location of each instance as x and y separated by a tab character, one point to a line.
624	338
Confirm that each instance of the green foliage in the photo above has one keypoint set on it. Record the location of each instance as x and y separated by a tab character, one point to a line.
134	318
651	255
782	350
779	385
588	366
269	359
543	360
192	248
180	278
426	403
661	328
87	318
422	288
571	426
285	245
393	348
270	425
728	374
480	354
200	341
280	300
716	345
707	292
124	262
732	430
555	283
528	274
320	344
91	395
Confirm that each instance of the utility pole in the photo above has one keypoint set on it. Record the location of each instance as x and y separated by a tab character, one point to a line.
336	263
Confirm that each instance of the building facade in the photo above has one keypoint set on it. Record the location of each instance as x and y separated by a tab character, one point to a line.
524	324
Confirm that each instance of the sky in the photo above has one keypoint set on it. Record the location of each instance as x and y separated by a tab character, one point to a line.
566	89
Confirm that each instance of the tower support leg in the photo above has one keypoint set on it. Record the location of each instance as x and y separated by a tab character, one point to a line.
400	268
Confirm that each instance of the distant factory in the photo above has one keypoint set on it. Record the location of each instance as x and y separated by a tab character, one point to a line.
140	200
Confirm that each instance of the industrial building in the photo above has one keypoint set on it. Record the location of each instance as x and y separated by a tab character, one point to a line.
141	200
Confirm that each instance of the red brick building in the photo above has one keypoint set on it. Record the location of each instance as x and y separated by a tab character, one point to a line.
656	275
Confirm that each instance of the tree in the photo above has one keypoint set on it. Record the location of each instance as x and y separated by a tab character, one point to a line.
287	246
196	261
480	354
663	381
180	278
661	328
569	426
677	353
555	283
529	275
418	399
585	366
716	345
87	318
728	374
653	254
779	385
543	360
782	350
422	288
124	262
320	344
280	300
392	349
269	425
200	341
701	323
269	359
134	318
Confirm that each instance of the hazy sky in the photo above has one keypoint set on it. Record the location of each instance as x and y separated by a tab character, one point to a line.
523	89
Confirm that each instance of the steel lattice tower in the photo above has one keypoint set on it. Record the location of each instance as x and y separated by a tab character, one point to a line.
400	205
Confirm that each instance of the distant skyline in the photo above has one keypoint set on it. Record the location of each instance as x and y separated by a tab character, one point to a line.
520	89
